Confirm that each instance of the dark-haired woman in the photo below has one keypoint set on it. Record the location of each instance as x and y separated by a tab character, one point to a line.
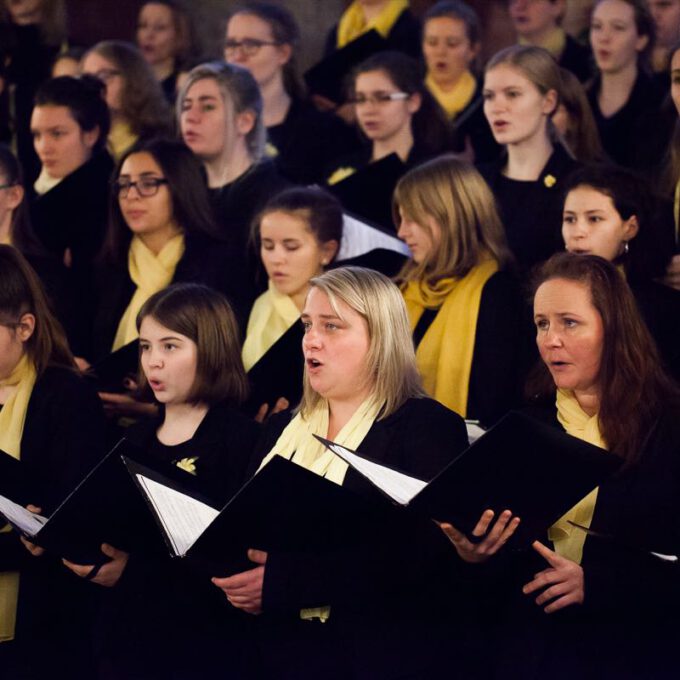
611	597
161	232
624	97
190	361
68	204
138	108
609	212
263	37
53	422
165	36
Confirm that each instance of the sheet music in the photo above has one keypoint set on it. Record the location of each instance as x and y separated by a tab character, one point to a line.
474	430
359	238
15	514
184	518
396	485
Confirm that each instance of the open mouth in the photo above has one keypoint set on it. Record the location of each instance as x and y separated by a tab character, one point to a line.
313	363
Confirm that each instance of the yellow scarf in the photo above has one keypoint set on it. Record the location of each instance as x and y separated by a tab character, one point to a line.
6	239
297	444
554	43
120	139
444	356
455	100
353	22
569	540
272	315
45	182
150	273
12	419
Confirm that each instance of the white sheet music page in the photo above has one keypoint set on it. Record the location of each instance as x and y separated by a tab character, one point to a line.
184	518
15	514
396	485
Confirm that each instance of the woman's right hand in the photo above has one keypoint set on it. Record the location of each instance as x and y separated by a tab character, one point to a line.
486	542
672	277
264	411
107	574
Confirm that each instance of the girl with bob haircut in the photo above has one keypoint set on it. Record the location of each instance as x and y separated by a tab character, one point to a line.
610	212
138	108
624	97
362	388
53	422
462	302
613	393
190	361
451	43
263	37
298	233
219	113
522	87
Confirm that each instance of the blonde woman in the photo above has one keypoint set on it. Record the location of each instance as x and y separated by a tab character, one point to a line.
380	600
463	305
522	90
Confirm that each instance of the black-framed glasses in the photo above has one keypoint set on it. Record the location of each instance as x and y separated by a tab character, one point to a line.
8	185
146	186
249	46
378	98
106	74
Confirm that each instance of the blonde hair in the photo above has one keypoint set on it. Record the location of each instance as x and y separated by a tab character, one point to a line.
391	359
453	194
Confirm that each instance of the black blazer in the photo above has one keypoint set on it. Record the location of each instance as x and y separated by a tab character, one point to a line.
404	36
63	438
205	260
495	373
578	59
390	606
162	620
531	211
627	625
307	140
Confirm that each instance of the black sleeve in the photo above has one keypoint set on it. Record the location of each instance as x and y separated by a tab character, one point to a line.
494	378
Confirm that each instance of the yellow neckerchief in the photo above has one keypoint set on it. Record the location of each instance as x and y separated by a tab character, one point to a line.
569	540
6	239
12	419
272	315
554	43
120	139
45	182
340	174
676	213
444	355
297	444
353	22
455	100
150	273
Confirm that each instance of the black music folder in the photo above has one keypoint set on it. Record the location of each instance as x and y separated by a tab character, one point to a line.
523	465
105	507
278	373
284	507
109	373
329	77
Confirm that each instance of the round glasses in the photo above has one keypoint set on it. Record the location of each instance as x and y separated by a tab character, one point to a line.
146	186
378	98
249	46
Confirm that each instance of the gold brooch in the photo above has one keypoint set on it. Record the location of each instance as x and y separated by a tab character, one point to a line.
187	464
549	181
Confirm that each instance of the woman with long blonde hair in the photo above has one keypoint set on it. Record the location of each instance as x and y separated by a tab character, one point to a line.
463	304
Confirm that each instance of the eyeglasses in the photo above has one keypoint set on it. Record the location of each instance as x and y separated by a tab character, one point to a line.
146	186
378	98
106	74
249	46
9	185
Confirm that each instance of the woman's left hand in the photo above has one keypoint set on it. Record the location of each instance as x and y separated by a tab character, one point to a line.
109	573
34	549
244	590
561	584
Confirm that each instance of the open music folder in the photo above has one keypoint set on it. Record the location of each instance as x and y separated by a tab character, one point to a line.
536	471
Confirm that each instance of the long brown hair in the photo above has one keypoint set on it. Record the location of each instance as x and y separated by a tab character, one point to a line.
21	293
634	389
